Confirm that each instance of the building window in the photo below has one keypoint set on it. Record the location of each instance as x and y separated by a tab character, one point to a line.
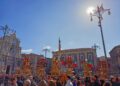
90	57
75	57
82	56
62	58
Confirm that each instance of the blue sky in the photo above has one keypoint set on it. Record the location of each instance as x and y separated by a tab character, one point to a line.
40	23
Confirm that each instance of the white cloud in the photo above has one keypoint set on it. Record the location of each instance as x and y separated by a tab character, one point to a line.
27	51
47	47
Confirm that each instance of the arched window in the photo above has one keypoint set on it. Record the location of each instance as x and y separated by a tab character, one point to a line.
81	57
90	57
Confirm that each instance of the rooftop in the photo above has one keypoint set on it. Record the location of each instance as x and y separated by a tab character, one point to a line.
76	49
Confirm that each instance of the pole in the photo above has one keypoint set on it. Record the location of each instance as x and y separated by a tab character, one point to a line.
98	13
104	48
45	53
45	50
102	36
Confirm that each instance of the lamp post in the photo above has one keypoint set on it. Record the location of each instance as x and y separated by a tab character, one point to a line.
98	13
45	50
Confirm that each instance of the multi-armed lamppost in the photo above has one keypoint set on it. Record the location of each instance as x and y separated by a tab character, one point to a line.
98	12
46	49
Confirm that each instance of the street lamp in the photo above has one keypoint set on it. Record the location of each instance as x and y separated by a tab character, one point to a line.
98	12
46	49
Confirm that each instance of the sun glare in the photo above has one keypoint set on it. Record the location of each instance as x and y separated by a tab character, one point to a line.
90	10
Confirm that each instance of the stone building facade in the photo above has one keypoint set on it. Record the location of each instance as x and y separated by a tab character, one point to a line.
10	50
103	67
115	60
78	56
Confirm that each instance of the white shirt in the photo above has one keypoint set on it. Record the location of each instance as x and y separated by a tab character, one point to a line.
69	83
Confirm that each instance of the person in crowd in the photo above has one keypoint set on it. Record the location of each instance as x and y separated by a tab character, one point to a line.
96	81
28	81
102	82
74	81
107	83
36	79
13	82
87	81
33	83
52	82
91	81
43	82
113	81
19	81
118	81
69	82
58	82
79	82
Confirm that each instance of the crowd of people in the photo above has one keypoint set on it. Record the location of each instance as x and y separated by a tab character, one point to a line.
56	81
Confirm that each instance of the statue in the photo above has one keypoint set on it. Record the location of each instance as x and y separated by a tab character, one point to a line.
41	64
55	69
26	68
